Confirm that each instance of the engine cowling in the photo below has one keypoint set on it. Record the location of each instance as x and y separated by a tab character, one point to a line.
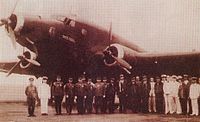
29	55
118	51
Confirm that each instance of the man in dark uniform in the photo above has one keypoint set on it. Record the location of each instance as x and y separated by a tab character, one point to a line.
80	93
145	94
32	95
89	95
104	107
131	95
99	95
159	95
122	94
184	94
110	95
138	96
57	94
69	95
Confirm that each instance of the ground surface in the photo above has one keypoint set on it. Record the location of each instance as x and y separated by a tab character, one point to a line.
17	112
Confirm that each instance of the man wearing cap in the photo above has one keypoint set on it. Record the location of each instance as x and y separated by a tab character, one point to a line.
104	107
183	95
44	95
80	93
152	101
131	92
99	93
110	95
174	96
57	94
159	95
194	95
145	94
122	94
89	95
32	95
138	96
166	92
69	95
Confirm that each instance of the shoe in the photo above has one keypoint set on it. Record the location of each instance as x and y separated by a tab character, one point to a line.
33	115
29	116
44	114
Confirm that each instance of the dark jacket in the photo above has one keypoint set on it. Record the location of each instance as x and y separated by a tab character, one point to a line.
110	91
99	89
159	89
184	91
57	89
69	89
80	89
145	90
89	89
31	92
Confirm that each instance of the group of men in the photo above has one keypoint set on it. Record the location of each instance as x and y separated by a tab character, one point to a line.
165	94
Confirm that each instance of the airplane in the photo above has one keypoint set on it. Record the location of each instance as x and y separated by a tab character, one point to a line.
69	47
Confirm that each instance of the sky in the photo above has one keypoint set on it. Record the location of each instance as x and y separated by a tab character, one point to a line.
155	25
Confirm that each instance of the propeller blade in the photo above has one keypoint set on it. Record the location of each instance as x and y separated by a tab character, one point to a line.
122	62
34	62
126	70
110	35
14	7
11	34
12	69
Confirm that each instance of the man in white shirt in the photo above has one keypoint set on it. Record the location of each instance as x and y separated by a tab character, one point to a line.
44	95
194	95
166	90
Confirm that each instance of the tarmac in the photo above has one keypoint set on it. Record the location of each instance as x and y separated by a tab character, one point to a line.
17	112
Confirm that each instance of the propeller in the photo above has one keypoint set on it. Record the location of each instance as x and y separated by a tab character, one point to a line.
121	62
21	59
7	22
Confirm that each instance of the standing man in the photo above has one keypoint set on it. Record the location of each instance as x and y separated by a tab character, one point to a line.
110	95
138	96
145	94
152	101
69	95
57	94
44	95
104	107
89	95
122	94
80	93
32	96
174	96
183	96
194	95
99	95
132	95
166	92
159	95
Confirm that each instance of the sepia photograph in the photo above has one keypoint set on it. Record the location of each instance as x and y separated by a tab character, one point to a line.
99	60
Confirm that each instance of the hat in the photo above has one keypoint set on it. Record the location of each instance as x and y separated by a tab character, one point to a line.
121	75
163	76
179	77
174	76
44	78
185	75
194	78
31	79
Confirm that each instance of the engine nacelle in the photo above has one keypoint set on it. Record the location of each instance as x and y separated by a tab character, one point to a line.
118	51
29	55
